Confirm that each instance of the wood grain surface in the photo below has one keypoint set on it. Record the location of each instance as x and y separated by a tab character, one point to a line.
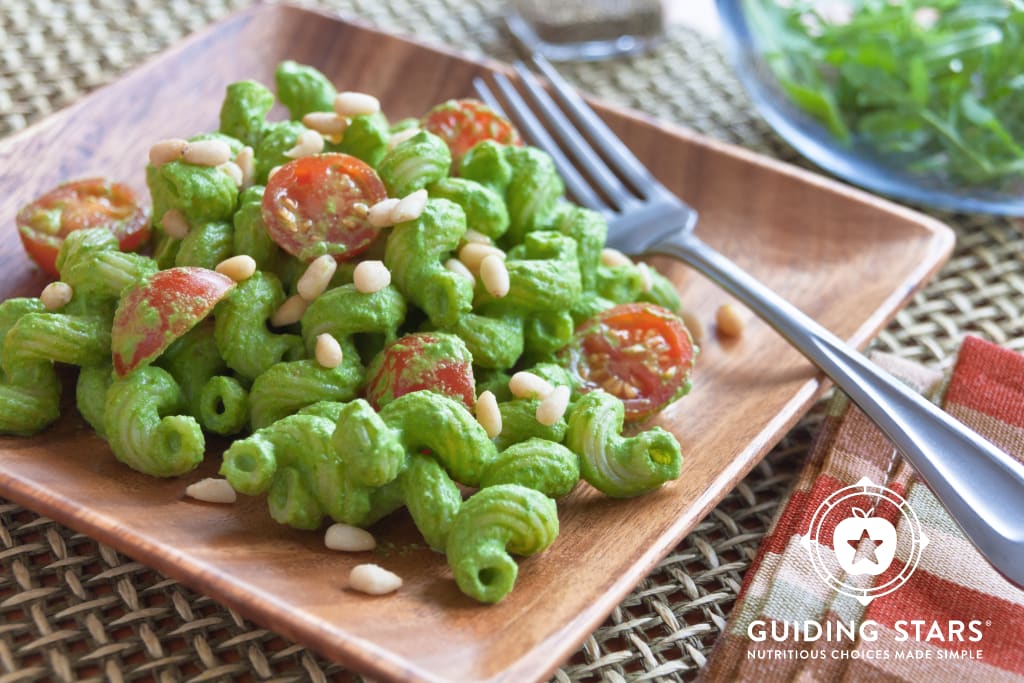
844	257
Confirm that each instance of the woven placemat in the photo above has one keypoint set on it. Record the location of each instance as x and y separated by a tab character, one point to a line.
72	609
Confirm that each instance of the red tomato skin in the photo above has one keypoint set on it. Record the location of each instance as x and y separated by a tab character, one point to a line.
318	204
89	203
639	352
464	123
151	316
423	360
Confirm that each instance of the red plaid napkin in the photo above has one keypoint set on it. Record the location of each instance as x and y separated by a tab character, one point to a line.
801	613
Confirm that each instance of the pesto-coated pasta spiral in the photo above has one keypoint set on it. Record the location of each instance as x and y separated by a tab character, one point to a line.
415	163
625	284
543	274
91	262
485	211
619	466
144	428
546	332
432	498
344	312
590	230
250	235
286	387
454	436
532	193
277	139
219	401
246	344
366	138
303	89
494	342
29	393
56	338
295	462
493	523
192	360
206	245
415	254
519	423
372	450
243	114
201	193
91	394
485	163
539	464
224	405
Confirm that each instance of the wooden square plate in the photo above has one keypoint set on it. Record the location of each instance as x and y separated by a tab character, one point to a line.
846	258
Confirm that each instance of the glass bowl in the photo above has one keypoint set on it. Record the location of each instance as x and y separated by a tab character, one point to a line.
856	161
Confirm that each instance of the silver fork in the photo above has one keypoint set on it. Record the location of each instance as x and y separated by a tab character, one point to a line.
981	486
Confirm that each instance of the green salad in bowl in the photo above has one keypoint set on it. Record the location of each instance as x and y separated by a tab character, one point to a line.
920	100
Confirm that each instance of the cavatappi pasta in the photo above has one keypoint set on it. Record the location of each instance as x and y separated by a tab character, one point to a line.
389	422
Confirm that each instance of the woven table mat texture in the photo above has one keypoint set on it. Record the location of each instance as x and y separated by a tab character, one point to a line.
72	609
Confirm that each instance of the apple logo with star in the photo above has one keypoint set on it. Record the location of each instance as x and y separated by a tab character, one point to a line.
864	545
855	548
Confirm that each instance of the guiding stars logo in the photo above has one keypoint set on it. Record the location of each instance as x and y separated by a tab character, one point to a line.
863	542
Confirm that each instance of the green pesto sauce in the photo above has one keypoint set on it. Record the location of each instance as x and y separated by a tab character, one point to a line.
310	466
202	193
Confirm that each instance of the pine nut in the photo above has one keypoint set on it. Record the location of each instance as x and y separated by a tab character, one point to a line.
379	214
271	172
309	143
166	151
473	254
729	321
246	160
348	538
355	104
175	224
553	406
457	267
494	275
488	414
476	237
373	579
401	136
614	257
410	207
646	281
693	324
290	312
234	171
528	385
238	268
207	153
211	491
371	276
56	295
326	123
328	351
317	277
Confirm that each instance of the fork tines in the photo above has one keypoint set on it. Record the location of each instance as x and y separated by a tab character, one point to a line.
599	170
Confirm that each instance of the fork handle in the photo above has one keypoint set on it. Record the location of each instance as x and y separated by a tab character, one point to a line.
981	486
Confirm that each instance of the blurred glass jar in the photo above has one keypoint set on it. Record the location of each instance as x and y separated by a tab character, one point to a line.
563	30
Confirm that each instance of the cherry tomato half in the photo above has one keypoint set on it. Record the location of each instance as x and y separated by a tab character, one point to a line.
318	205
151	316
641	353
463	123
424	360
88	203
